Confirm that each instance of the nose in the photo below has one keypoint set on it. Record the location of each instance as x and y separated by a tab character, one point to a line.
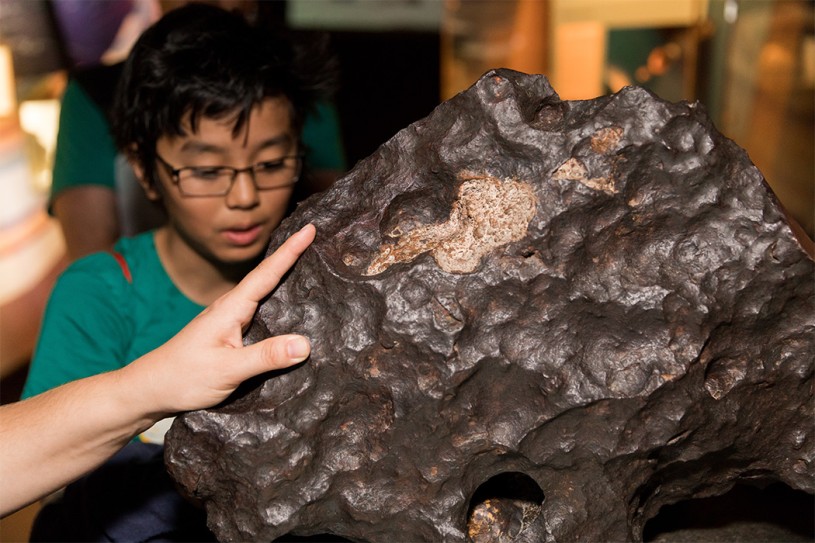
243	194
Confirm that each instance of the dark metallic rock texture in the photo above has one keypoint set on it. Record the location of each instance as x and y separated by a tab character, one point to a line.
597	305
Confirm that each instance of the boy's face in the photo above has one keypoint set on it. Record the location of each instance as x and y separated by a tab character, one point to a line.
233	228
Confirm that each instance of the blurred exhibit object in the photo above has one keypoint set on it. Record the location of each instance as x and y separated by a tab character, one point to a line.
767	94
568	40
31	246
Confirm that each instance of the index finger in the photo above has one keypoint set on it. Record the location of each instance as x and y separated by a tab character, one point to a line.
260	281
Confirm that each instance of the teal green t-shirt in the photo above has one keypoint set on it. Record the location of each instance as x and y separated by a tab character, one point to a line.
97	320
85	153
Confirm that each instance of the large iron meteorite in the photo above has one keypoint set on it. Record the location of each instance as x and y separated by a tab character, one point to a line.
589	309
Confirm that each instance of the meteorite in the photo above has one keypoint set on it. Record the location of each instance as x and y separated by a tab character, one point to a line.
532	320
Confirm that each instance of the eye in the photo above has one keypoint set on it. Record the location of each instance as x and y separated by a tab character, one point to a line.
269	166
207	173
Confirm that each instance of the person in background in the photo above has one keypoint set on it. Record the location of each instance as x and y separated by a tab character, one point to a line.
94	193
51	439
209	112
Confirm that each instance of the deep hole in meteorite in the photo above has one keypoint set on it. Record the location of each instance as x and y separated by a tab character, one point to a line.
503	507
745	513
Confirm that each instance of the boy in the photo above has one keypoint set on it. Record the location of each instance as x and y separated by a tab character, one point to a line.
209	112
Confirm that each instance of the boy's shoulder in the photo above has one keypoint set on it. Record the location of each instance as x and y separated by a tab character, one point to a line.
129	255
138	246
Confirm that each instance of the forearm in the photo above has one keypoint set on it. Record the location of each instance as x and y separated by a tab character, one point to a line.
77	426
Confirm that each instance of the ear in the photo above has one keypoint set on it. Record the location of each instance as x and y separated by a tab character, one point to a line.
147	185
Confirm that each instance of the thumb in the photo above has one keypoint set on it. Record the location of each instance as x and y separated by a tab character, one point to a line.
272	354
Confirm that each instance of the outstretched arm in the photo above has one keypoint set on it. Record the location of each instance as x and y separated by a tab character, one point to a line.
52	439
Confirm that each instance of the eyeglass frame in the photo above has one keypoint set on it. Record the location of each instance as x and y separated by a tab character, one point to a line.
175	174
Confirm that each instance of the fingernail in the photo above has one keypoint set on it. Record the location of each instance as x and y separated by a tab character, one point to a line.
298	348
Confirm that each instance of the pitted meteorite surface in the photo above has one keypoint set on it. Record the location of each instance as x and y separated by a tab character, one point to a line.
531	320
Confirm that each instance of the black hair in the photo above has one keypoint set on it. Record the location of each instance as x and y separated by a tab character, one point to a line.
204	61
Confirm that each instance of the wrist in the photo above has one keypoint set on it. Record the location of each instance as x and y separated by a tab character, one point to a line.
139	399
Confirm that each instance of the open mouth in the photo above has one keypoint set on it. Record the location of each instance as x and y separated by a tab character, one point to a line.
243	237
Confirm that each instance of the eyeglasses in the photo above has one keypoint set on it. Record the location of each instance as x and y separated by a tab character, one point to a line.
218	180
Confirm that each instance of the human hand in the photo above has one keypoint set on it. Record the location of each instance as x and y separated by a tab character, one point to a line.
206	360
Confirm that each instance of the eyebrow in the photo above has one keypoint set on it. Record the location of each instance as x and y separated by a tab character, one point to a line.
203	147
